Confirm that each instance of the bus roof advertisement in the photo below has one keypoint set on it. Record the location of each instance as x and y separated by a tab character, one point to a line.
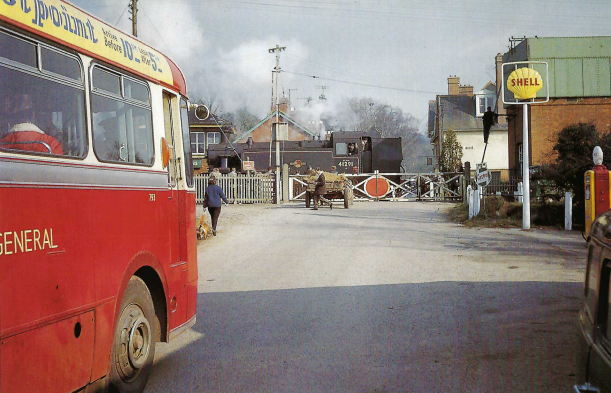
77	28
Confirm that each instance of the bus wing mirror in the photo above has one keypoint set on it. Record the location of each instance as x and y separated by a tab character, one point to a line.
165	153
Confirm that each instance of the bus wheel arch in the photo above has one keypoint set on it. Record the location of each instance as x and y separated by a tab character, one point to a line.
155	287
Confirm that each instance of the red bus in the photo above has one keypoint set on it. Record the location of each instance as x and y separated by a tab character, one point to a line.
98	253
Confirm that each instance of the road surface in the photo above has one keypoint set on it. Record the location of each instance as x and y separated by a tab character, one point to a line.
383	297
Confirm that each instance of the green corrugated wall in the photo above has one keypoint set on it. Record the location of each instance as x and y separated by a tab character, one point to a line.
578	66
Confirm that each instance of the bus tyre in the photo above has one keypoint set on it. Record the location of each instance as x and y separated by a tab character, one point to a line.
133	347
308	199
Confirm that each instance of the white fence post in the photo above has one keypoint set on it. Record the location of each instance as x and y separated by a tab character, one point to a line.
568	211
520	193
470	200
476	201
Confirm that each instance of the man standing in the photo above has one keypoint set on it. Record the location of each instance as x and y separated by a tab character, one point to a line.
489	120
320	189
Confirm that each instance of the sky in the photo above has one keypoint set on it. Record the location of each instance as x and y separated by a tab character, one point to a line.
398	52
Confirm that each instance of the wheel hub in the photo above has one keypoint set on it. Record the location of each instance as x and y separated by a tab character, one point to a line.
135	342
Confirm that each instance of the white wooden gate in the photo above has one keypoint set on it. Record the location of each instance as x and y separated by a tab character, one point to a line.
240	188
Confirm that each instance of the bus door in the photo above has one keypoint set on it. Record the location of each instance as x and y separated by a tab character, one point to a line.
177	279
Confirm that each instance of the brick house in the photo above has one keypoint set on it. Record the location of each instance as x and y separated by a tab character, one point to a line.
579	87
462	110
261	132
203	133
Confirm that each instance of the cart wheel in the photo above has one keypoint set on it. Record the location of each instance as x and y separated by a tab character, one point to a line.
308	198
347	198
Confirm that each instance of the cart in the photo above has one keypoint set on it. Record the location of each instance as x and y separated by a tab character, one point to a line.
338	187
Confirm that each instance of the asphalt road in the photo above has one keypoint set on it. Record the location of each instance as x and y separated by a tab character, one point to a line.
383	297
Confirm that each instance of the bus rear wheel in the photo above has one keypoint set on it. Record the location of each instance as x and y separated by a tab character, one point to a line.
133	347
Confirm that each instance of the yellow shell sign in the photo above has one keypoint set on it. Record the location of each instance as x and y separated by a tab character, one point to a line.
524	83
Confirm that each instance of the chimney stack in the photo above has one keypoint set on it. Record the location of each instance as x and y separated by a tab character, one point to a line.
453	85
455	89
283	105
465	90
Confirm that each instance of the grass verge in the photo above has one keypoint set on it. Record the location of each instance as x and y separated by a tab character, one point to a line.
495	212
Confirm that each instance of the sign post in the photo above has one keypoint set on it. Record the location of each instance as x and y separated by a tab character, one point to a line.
523	83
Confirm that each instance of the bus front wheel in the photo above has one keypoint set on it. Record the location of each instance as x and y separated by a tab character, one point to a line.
133	347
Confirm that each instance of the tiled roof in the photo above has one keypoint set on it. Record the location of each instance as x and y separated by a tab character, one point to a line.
458	113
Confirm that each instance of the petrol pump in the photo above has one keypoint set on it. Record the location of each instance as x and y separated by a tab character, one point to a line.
596	185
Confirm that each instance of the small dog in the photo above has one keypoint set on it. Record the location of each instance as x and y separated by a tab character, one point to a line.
203	230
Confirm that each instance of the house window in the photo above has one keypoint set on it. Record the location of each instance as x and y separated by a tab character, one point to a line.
198	142
213	138
520	155
495	177
483	102
482	105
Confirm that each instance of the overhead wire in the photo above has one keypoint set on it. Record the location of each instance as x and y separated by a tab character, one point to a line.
122	13
362	84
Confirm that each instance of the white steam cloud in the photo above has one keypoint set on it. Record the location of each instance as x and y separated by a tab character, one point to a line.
233	76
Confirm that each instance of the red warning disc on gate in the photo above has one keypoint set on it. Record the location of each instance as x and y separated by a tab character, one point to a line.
377	188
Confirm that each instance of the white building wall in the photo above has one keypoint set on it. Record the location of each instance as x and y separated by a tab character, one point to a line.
473	148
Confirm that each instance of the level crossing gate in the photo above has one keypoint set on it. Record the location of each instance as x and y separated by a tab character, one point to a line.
394	186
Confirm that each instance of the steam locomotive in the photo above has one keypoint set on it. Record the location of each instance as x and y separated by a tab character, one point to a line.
348	151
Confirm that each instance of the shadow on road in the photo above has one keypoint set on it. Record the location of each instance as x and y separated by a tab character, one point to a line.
430	337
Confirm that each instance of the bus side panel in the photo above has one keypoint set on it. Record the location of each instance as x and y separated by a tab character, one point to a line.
72	253
104	325
30	361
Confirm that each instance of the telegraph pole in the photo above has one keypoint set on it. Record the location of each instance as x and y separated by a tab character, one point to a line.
133	9
276	70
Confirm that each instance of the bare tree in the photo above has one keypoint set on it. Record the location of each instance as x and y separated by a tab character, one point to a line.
364	114
212	102
242	119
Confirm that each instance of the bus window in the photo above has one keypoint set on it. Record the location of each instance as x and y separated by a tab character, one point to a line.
40	113
122	127
18	50
57	63
169	132
184	119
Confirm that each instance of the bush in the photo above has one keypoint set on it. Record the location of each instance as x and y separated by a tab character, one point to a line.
497	212
574	147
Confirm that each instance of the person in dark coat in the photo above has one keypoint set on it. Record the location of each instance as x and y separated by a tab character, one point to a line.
212	200
320	185
489	120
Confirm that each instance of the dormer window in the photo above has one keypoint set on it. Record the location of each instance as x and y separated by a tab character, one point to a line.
483	102
485	98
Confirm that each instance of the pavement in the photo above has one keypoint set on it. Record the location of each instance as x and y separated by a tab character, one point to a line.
382	297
